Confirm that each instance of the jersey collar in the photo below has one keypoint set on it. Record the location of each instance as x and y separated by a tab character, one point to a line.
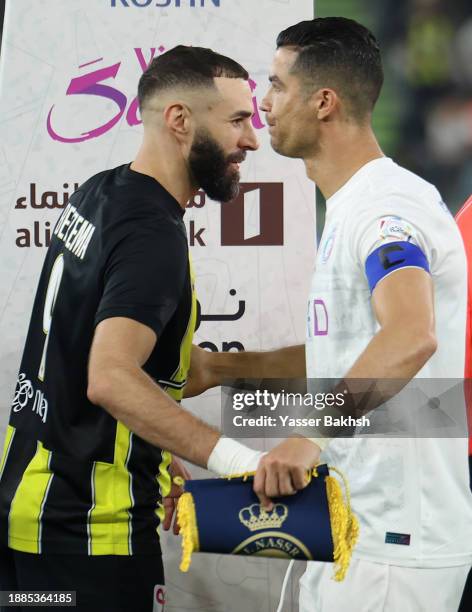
355	179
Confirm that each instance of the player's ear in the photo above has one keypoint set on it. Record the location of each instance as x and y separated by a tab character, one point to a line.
178	119
324	102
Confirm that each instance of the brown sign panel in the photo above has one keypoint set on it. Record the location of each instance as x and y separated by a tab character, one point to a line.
271	216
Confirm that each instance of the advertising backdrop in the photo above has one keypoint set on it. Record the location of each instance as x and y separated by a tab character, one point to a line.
68	109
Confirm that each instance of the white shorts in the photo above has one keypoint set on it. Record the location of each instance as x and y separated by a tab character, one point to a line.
378	587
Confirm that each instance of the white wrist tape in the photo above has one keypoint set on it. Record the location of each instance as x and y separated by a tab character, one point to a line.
321	442
230	457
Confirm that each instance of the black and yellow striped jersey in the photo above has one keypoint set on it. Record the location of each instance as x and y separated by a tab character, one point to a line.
71	476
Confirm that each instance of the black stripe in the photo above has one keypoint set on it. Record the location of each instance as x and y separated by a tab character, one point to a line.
64	521
145	490
22	450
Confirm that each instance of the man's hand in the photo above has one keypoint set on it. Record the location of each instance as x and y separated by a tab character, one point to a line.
176	468
200	376
284	470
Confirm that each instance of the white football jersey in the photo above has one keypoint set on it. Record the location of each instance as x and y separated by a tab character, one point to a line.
412	496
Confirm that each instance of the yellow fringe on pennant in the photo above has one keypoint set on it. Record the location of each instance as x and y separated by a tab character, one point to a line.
344	525
187	520
243	475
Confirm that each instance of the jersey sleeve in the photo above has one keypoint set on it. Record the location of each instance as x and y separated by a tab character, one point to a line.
144	276
391	235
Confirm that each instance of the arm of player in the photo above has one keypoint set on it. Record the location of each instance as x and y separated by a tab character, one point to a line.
396	254
404	307
209	369
403	304
117	382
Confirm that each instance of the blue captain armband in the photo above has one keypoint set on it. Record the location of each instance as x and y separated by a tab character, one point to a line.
393	256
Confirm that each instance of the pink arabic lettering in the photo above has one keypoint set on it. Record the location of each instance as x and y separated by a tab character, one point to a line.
256	118
91	84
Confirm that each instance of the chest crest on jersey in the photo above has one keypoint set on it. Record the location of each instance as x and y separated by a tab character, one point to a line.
327	244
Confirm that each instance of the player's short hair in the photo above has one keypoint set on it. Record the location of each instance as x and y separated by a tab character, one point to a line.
339	53
182	66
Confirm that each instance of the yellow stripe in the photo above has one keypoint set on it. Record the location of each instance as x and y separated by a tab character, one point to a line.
181	372
164	480
25	511
110	527
6	447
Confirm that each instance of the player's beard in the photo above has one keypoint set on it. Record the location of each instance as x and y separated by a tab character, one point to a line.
211	169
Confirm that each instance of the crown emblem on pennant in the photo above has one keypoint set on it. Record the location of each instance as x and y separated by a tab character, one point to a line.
255	517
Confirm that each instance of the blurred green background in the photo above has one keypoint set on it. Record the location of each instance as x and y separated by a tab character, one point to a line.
423	118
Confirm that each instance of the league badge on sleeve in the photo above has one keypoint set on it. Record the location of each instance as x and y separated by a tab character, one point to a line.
395	228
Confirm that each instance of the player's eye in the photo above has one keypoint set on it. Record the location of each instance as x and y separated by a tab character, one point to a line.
237	122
